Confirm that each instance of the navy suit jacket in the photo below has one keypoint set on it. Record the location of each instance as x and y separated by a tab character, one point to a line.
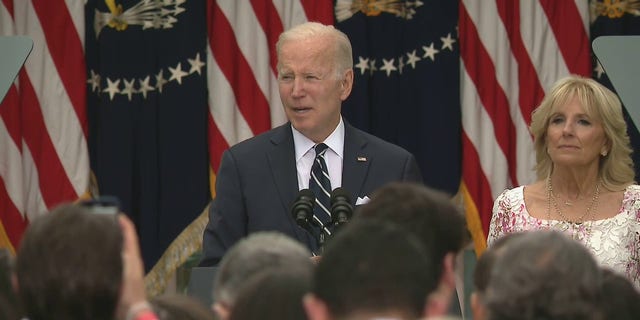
257	184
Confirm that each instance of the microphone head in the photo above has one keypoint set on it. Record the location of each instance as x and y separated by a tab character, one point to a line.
307	195
302	209
341	208
340	194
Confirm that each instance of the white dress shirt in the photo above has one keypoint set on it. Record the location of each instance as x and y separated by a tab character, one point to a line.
306	154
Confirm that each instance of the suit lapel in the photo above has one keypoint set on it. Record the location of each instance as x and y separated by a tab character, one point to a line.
355	163
282	163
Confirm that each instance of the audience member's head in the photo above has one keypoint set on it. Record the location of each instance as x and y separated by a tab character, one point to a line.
257	252
544	275
9	307
620	299
69	265
180	307
434	219
274	294
371	269
482	274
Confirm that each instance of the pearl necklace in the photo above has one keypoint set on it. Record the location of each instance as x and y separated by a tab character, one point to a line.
566	223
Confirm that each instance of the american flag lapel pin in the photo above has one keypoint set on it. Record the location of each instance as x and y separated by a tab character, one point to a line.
362	159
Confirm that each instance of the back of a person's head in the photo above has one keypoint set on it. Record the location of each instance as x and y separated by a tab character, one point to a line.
620	299
544	275
374	268
9	307
482	271
180	307
273	295
427	213
257	252
69	265
482	274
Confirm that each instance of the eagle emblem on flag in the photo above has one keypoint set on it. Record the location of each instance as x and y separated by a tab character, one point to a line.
150	14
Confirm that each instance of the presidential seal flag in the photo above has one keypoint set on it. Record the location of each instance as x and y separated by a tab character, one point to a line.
147	109
406	86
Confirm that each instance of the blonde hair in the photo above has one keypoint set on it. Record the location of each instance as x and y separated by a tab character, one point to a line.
616	168
343	56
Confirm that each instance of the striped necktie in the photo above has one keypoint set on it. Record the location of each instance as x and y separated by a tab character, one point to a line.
320	184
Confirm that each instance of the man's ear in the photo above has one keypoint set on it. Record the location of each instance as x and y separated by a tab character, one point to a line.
477	307
316	309
221	310
438	301
448	276
14	282
346	84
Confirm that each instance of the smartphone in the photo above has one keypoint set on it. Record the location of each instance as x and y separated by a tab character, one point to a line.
102	205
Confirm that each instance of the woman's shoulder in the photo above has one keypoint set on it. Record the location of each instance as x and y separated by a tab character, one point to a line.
632	190
631	200
508	199
520	192
631	196
513	193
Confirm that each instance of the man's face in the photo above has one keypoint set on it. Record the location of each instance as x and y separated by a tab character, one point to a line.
310	90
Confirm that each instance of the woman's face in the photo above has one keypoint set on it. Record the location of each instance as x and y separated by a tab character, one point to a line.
573	137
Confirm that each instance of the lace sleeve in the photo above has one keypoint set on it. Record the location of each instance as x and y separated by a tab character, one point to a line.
499	213
633	268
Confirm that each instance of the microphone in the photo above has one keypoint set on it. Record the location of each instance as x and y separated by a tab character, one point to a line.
341	208
302	209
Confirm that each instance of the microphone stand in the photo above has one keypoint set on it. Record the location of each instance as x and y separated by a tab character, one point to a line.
302	213
324	234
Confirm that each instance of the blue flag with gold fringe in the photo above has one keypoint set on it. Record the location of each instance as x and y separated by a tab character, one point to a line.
406	90
147	109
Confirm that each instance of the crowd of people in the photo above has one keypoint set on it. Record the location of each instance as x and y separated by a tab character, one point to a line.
564	247
394	260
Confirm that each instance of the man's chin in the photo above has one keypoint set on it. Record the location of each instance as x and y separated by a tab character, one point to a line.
300	124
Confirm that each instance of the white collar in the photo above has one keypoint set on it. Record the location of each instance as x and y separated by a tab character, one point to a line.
335	141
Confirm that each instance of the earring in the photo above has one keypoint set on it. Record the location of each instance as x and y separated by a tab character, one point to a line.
604	153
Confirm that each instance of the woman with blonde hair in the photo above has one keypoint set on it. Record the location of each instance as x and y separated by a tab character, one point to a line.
585	178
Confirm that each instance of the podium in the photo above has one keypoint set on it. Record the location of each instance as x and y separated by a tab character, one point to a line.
13	53
619	56
201	284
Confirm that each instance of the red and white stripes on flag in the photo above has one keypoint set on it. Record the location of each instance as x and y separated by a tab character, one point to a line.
43	129
511	53
241	65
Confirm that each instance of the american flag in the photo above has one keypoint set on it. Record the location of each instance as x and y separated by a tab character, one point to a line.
511	53
43	128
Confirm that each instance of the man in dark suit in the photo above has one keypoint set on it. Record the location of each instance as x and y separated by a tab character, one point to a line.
259	179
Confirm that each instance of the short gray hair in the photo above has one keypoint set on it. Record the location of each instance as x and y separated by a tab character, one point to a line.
343	53
258	252
544	275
